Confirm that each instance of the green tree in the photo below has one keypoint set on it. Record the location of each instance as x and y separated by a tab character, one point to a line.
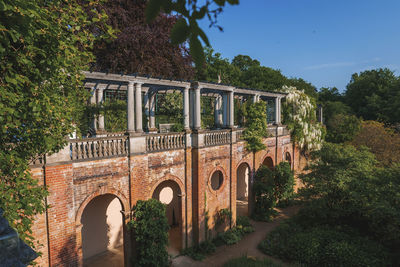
301	84
326	94
342	128
371	93
383	142
44	46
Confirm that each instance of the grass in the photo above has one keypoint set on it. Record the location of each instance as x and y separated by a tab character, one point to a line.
246	261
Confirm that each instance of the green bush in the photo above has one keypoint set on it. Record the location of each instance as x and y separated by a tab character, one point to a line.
323	246
150	232
271	187
199	252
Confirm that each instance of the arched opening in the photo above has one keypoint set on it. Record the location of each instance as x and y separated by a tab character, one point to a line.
288	158
102	232
268	162
169	193
217	180
242	189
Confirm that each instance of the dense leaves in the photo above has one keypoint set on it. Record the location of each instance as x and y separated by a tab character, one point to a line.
351	217
375	95
43	49
150	231
342	128
383	142
256	125
140	47
271	187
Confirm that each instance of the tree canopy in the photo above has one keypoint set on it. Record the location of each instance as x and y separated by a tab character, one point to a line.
375	95
141	47
44	46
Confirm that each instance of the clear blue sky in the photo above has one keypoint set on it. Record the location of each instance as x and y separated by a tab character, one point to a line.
321	41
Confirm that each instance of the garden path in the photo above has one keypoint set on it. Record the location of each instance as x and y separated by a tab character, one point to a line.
247	246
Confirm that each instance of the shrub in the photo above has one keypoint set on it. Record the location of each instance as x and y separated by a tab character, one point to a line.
150	231
323	246
200	251
271	187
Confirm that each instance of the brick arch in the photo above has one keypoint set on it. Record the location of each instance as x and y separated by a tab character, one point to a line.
247	161
101	191
267	155
166	178
224	182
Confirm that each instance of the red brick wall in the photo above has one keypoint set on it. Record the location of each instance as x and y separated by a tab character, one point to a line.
72	186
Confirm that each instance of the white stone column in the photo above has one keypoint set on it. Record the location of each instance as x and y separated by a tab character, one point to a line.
100	100
218	111
197	111
138	107
130	108
231	110
256	98
278	110
93	102
146	101
225	110
152	119
186	108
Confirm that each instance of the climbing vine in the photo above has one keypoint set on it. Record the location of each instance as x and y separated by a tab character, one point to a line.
299	115
256	125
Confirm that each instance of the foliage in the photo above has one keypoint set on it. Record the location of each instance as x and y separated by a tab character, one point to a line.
207	112
332	94
375	95
271	186
351	217
150	231
140	47
342	128
235	234
331	108
44	46
246	261
322	246
256	125
223	216
243	71
199	252
299	115
383	142
187	27
114	112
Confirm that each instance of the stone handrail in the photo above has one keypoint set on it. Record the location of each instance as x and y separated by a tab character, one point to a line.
239	134
165	141
217	137
98	147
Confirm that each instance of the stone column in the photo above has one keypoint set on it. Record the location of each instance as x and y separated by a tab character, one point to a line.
256	98
278	110
146	101
138	107
186	108
218	111
225	110
320	114
197	111
231	110
152	119
93	102
130	108
100	100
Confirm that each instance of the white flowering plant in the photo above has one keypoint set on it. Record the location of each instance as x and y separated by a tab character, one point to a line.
299	114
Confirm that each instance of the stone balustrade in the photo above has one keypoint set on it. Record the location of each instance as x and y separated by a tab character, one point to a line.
239	134
217	137
88	148
165	141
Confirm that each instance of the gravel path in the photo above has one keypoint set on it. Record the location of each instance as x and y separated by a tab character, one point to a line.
247	246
